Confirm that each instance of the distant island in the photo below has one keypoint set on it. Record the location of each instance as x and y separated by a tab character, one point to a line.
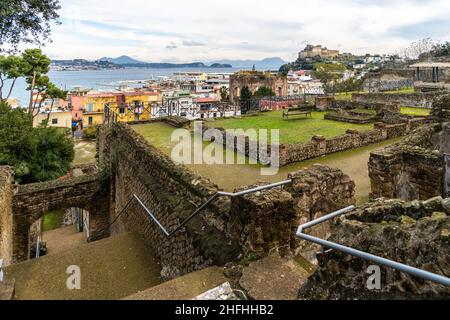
125	62
128	62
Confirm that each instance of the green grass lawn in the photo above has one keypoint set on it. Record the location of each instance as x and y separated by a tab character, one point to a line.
298	130
415	111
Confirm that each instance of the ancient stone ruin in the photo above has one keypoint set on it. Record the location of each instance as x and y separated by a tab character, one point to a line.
414	168
415	233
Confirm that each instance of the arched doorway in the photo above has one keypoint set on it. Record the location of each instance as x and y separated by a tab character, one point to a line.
58	231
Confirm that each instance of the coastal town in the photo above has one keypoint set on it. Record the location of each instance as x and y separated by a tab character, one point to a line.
202	93
322	176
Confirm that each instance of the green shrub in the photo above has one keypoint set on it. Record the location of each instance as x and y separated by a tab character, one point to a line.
90	132
35	154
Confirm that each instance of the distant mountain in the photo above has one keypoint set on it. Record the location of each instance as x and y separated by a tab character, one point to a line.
126	61
122	60
269	63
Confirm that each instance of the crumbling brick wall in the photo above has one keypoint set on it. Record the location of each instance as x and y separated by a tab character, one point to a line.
266	221
413	169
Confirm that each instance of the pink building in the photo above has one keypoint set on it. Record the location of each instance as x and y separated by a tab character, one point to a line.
77	103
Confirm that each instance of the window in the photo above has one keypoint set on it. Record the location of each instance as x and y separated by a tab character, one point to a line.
122	110
55	121
90	121
90	107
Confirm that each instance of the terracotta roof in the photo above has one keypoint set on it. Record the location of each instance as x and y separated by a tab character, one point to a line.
207	99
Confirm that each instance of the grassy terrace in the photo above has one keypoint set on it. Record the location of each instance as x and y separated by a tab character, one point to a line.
228	177
298	130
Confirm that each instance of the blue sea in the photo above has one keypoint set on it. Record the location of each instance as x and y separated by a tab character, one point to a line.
106	79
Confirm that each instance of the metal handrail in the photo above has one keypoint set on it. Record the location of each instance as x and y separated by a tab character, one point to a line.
364	255
199	209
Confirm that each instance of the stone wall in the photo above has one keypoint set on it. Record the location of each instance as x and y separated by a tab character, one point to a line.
412	169
6	217
416	99
255	80
369	105
171	192
319	145
266	221
30	202
414	233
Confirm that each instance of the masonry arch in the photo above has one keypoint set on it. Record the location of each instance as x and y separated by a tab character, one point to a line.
31	202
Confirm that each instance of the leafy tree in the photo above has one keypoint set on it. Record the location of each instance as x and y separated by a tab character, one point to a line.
349	85
36	154
329	74
264	92
299	64
246	94
17	143
55	154
26	22
418	48
11	68
223	93
35	66
441	50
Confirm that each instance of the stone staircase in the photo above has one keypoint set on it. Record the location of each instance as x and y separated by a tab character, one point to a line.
111	268
185	287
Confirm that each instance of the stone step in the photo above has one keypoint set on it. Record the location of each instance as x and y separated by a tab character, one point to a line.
110	268
275	278
185	287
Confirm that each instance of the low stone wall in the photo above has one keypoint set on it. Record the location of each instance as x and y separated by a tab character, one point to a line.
319	145
350	117
369	105
409	170
416	99
414	233
6	216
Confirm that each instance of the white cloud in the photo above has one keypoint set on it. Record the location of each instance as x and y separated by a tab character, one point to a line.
200	30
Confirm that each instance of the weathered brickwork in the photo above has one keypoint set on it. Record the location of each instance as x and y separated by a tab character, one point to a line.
266	222
413	169
171	192
414	233
6	217
319	145
30	203
317	191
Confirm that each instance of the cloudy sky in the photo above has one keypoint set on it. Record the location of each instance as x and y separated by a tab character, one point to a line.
198	30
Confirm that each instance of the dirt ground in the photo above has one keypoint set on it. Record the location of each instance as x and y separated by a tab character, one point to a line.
85	152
